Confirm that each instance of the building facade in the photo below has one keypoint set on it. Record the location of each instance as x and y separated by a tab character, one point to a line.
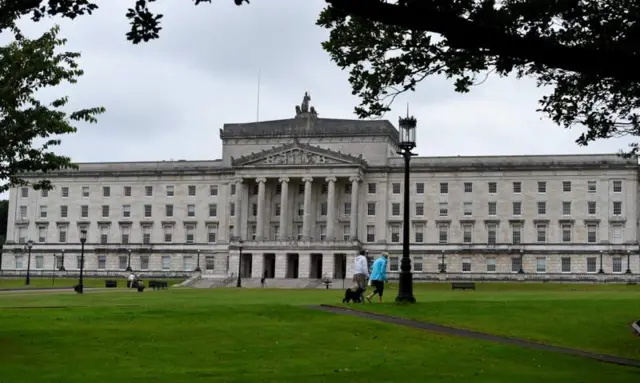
297	198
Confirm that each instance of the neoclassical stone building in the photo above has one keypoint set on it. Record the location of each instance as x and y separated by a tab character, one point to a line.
302	195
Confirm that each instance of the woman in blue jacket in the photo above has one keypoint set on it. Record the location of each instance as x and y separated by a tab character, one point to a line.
378	276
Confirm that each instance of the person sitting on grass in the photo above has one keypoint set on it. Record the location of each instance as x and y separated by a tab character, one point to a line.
378	276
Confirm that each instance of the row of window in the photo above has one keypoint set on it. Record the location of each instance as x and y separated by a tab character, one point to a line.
123	261
126	211
492	187
85	191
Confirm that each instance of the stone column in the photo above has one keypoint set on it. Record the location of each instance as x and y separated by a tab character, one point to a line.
331	208
306	219
354	207
238	213
284	207
260	216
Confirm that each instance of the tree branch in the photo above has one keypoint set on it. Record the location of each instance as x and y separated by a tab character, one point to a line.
462	33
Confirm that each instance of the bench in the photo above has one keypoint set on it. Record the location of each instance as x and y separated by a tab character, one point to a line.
463	286
110	284
157	285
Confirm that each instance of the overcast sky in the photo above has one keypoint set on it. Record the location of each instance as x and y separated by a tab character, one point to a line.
167	99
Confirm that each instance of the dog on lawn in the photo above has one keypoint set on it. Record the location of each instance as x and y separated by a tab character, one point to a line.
353	295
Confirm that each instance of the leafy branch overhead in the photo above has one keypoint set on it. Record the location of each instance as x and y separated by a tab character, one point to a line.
27	66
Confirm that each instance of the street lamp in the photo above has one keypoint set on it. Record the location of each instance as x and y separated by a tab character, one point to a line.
239	264
601	271
521	270
628	262
129	262
83	239
198	270
61	268
407	143
29	245
443	267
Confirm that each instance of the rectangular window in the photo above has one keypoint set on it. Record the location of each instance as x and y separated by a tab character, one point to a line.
127	191
493	187
566	233
566	264
617	234
24	192
467	233
591	265
106	191
444	209
371	233
541	230
517	208
395	209
492	208
444	188
542	187
166	262
468	187
191	210
168	233
491	265
371	188
346	232
591	186
39	262
44	193
232	209
492	233
617	186
105	211
394	263
592	231
466	265
144	262
42	234
102	262
146	235
213	190
418	232
541	265
212	233
147	211
190	235
168	209
617	208
192	190
617	264
126	210
19	262
516	234
395	233
85	191
516	264
122	262
171	190
395	188
566	186
213	210
148	191
277	210
23	212
232	189
517	187
591	207
300	209
43	211
566	208
420	188
62	235
542	208
84	211
467	208
418	264
210	262
65	192
419	209
371	208
443	233
64	211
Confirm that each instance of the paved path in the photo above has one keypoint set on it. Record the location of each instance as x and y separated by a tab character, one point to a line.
477	335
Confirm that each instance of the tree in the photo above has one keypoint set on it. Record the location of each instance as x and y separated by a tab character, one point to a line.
27	66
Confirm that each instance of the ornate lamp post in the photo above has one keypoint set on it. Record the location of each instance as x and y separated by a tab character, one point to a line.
83	240
129	269
198	270
61	268
239	264
443	267
601	271
407	143
628	262
521	270
28	246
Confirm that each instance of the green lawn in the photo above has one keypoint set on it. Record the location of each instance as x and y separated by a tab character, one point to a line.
6	283
590	317
242	335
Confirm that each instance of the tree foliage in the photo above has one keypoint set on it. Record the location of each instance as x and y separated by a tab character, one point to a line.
27	66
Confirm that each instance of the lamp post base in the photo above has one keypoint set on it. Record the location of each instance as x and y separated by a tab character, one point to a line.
197	270
405	288
628	271
128	269
600	271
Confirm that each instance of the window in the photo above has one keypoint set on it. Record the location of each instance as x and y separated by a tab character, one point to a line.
491	265
323	209
541	233
105	211
371	208
516	234
192	190
148	191
419	209
516	264
418	263
19	262
542	208
444	209
467	208
371	188
144	262
212	233
468	187
617	264
146	235
126	210
418	229
591	265
84	211
347	189
64	211
253	229
466	265
617	208
566	208
43	211
62	234
566	186
85	191
346	232
371	233
443	233
122	262
616	234
566	265
394	263
209	262
58	262
64	191
106	191
102	262
231	232
166	262
171	191
493	187
127	191
277	210
444	188
191	210
189	236
168	233
22	235
592	236
213	210
420	188
232	209
541	265
492	233
591	186
395	188
147	211
104	235
517	187
24	192
566	233
617	186
591	207
213	190
42	234
347	208
517	208
232	189
44	193
467	233
395	209
493	208
300	209
124	237
324	189
395	233
23	212
542	187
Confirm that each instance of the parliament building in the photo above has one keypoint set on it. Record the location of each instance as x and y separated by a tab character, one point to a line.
294	200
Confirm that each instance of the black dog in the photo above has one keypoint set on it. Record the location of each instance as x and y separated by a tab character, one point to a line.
355	296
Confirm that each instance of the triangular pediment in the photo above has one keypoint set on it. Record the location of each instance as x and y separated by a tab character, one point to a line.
297	154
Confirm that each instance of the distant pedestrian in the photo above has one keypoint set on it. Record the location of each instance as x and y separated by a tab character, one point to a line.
360	273
263	280
378	276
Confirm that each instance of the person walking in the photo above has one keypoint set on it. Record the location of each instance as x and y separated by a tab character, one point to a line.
361	273
378	276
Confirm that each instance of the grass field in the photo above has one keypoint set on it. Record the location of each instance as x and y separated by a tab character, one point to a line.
242	335
8	283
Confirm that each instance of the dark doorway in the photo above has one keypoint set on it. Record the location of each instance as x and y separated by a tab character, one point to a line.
315	268
339	266
292	266
246	266
269	262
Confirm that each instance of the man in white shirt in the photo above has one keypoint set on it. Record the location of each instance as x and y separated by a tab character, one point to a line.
361	271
